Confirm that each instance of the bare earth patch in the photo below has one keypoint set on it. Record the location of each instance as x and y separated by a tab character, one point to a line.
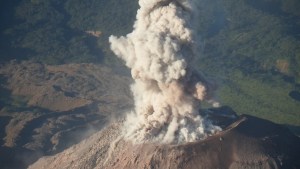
49	108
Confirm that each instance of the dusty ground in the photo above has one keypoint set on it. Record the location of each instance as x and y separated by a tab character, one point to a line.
45	109
247	143
59	112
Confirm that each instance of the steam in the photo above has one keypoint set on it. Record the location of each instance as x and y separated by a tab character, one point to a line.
167	89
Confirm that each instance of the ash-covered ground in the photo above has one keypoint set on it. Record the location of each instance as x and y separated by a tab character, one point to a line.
245	142
48	108
45	109
90	122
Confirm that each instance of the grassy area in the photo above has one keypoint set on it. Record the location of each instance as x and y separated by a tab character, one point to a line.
269	100
251	48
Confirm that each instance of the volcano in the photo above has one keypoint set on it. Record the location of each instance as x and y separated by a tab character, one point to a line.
245	142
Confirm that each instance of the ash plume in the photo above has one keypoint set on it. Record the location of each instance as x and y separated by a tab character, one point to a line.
167	89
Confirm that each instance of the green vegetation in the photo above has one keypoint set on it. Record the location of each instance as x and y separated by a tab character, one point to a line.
253	96
54	31
251	47
13	103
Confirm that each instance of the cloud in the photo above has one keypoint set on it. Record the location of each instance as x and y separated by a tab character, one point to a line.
167	89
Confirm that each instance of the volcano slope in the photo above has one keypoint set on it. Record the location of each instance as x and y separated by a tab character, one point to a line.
45	109
247	142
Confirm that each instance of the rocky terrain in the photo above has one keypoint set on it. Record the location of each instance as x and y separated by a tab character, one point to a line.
45	109
248	142
59	112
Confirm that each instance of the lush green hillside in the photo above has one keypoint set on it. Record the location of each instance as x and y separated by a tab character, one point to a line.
251	47
57	31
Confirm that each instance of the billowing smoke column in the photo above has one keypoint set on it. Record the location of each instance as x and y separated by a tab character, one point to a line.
167	90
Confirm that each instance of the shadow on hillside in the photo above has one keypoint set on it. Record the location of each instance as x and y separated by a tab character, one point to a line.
294	129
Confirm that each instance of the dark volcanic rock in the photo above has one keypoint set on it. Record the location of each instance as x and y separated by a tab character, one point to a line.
249	142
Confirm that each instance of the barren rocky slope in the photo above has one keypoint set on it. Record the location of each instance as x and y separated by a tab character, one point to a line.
249	142
45	109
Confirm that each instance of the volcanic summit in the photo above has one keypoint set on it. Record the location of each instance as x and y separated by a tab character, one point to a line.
247	142
165	128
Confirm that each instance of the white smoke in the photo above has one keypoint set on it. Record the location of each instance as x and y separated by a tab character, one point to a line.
167	90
